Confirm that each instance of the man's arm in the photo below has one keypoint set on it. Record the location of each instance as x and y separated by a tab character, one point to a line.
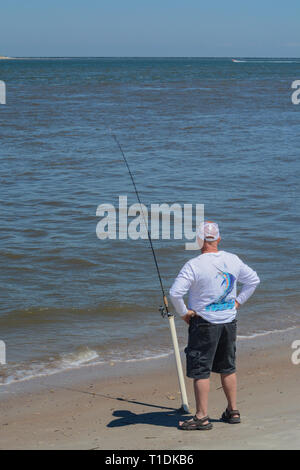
250	281
179	288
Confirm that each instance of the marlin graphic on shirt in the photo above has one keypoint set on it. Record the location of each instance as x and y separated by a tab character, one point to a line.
228	285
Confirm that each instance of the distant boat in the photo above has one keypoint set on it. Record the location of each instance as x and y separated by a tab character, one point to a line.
235	60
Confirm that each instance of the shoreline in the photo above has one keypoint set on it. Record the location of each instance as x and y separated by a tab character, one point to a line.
242	341
133	406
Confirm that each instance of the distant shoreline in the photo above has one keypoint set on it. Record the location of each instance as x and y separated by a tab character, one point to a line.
2	57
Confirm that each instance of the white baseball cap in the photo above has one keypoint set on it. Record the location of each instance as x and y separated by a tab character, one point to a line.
208	231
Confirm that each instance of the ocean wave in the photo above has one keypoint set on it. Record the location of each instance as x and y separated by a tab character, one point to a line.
86	357
266	333
11	255
35	315
67	361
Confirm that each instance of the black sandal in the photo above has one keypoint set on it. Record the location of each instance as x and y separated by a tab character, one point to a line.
196	424
228	416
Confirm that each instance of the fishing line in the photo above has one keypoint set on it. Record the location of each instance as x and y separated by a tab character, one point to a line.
166	310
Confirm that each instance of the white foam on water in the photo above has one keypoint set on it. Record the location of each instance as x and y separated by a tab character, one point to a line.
66	362
265	333
70	361
88	357
268	61
76	359
145	358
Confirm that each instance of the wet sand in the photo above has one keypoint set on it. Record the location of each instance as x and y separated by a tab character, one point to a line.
133	405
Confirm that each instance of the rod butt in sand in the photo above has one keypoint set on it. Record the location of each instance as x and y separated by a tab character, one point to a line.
184	407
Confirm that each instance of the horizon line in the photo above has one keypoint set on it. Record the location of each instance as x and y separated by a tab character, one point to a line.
145	57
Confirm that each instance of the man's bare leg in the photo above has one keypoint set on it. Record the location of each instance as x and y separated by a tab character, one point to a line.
201	389
229	383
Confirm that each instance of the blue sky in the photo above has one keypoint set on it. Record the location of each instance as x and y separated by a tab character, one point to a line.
150	28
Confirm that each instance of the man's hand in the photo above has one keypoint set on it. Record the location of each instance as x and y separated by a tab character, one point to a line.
188	316
237	305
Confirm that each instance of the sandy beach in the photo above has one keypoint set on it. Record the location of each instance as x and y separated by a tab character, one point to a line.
133	405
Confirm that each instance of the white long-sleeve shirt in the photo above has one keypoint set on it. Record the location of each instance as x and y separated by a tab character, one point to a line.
211	279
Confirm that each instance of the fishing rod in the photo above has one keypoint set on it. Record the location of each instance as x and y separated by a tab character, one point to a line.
164	310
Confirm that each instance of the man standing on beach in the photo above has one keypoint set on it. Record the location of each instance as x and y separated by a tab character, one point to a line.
211	282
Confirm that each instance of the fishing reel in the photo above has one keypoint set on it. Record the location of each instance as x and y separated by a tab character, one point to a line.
164	312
